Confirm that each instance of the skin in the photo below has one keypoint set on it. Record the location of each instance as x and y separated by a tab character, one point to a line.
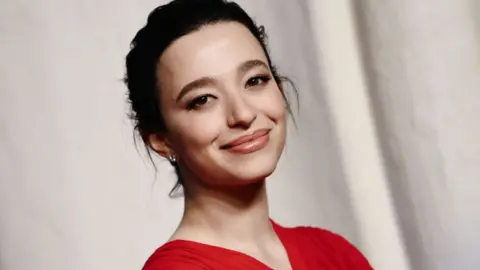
215	86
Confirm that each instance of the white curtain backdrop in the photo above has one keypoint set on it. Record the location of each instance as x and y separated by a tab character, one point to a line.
422	60
386	153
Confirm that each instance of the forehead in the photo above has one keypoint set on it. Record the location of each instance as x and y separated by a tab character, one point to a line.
210	51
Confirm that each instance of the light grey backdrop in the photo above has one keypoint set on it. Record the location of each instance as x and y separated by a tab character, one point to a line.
423	63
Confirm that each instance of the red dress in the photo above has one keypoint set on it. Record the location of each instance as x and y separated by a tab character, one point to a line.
307	248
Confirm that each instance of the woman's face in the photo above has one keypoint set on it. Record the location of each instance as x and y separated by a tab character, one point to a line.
224	112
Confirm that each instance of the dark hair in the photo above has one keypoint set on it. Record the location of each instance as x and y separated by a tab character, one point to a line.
166	24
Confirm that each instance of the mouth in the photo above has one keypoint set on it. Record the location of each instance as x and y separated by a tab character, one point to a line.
248	143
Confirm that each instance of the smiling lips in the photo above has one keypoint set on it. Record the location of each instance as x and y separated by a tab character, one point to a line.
249	143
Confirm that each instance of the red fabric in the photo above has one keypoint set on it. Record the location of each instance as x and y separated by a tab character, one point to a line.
307	248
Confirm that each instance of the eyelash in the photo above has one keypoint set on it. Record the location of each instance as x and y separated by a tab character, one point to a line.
200	101
263	80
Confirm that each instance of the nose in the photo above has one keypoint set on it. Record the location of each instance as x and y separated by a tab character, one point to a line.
241	113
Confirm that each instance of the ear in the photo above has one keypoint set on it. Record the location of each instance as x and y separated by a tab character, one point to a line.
159	143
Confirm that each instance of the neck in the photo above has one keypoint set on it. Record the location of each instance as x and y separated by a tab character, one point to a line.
226	216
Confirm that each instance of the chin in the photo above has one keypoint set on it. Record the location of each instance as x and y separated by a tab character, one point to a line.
255	175
242	169
258	166
252	170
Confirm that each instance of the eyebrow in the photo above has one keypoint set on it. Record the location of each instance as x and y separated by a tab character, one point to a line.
208	81
246	66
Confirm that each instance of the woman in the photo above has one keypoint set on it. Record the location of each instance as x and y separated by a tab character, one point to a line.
205	95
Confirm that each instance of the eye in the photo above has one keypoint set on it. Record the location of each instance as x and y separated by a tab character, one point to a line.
257	80
199	102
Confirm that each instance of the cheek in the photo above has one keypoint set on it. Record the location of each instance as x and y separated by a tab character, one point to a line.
274	105
195	132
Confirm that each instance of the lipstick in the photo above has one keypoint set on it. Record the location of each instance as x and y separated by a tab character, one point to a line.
249	143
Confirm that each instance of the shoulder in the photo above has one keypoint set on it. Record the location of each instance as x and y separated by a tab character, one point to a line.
333	246
176	255
317	235
322	237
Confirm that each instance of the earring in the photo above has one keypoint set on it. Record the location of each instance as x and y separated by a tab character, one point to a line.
172	158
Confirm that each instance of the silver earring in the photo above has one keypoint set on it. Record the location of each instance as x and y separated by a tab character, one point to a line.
172	158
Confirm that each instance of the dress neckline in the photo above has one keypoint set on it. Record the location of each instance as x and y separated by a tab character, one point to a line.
291	251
